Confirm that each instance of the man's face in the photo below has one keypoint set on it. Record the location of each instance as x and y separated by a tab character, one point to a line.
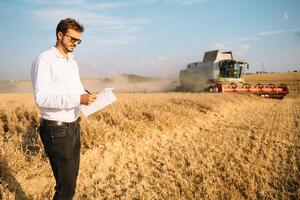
69	40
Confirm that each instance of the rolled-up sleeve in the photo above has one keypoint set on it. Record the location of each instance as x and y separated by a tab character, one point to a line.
41	82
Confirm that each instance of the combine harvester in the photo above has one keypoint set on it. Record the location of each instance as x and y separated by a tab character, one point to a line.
219	72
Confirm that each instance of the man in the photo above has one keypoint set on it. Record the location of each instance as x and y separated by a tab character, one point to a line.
59	93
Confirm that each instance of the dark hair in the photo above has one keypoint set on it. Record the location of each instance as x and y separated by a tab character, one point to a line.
65	24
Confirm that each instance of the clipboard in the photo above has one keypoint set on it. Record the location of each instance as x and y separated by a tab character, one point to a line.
104	98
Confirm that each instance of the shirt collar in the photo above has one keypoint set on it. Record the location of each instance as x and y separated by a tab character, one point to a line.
58	54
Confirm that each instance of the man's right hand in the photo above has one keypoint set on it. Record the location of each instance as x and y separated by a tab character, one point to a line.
87	99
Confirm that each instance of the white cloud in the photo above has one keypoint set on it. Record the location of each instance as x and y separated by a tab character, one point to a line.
285	16
58	2
103	6
248	38
95	23
147	1
54	15
113	5
178	2
130	29
91	18
219	45
269	33
82	3
108	29
186	2
237	48
243	47
258	36
262	34
112	40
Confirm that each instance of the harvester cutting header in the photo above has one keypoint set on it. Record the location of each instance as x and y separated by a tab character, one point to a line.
219	72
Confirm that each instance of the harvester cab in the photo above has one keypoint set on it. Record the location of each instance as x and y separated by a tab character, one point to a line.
231	68
219	72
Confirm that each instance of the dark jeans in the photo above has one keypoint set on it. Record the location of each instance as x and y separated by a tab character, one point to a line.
62	146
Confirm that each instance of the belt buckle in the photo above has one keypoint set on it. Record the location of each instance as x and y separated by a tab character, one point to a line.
60	123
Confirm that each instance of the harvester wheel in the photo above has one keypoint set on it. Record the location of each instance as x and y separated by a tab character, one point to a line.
271	85
258	85
246	85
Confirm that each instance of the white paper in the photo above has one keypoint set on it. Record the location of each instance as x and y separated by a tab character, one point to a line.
104	98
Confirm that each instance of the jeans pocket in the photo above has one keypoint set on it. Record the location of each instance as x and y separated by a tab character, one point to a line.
62	142
59	132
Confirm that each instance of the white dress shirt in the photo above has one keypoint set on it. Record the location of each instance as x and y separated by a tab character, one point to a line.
57	86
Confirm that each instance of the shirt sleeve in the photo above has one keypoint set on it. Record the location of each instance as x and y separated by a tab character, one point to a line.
80	82
82	88
41	82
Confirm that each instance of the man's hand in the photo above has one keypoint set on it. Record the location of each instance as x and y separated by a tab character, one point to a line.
87	99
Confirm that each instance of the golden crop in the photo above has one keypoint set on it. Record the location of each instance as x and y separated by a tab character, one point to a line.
163	146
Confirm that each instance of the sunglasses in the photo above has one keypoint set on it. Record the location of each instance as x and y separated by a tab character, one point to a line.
73	40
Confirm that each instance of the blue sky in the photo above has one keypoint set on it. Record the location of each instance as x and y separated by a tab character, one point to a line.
152	37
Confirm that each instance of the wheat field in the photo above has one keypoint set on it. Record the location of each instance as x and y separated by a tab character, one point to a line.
163	146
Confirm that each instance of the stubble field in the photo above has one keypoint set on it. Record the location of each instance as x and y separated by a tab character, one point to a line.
164	146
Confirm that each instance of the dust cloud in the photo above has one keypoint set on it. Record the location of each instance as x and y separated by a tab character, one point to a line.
132	83
120	83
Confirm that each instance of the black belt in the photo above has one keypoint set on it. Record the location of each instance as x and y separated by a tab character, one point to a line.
46	122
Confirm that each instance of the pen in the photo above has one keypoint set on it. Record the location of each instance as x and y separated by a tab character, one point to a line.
87	91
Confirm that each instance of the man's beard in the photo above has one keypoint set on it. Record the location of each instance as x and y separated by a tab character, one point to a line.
66	48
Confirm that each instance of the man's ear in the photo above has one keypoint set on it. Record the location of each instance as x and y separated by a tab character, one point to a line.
60	35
